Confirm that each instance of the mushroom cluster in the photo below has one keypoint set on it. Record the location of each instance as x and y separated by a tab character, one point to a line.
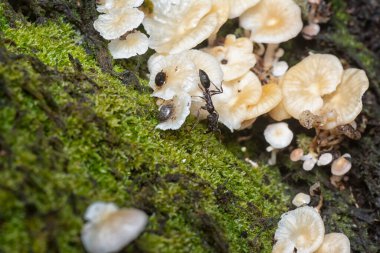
109	229
303	230
118	23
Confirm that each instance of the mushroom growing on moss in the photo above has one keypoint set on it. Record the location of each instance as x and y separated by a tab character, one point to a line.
303	227
179	25
135	43
173	113
109	228
279	136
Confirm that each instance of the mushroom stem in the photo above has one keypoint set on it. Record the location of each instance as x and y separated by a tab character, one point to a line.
211	40
273	157
269	55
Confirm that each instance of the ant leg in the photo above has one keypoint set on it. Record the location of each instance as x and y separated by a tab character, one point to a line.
218	90
198	119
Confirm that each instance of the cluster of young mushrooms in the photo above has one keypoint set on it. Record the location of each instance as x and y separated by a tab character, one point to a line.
234	80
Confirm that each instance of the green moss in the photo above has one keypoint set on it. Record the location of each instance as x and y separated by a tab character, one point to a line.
69	138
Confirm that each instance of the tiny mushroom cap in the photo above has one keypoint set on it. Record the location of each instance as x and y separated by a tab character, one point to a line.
99	210
237	95
279	68
178	25
304	84
273	21
283	246
301	199
173	113
171	74
135	43
325	159
335	243
296	154
346	101
278	135
113	25
309	162
304	227
237	7
113	231
310	31
236	57
341	166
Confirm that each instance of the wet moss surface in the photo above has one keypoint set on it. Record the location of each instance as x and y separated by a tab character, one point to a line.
77	128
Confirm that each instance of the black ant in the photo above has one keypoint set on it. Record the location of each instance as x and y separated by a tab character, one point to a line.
213	115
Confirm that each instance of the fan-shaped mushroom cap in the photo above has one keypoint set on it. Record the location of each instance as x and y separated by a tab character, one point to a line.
236	97
304	227
296	154
174	112
114	231
270	98
237	7
284	246
135	43
273	21
278	135
346	101
335	243
325	159
178	25
179	74
305	84
301	199
236	56
113	25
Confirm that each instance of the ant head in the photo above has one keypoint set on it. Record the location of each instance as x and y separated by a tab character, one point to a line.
165	113
160	78
205	80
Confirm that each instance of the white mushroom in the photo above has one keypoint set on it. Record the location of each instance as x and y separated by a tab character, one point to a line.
301	199
236	57
303	227
179	25
335	243
232	104
106	6
114	24
173	113
284	246
341	166
309	161
273	21
109	229
325	159
172	74
279	136
135	43
305	84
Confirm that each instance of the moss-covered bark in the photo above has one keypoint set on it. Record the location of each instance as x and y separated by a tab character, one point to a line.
77	127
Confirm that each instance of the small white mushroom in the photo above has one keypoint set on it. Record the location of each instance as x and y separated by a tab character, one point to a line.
109	229
341	166
310	31
325	159
296	154
279	136
173	113
106	6
135	43
273	21
309	161
172	74
335	243
303	227
279	68
301	199
235	57
116	23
